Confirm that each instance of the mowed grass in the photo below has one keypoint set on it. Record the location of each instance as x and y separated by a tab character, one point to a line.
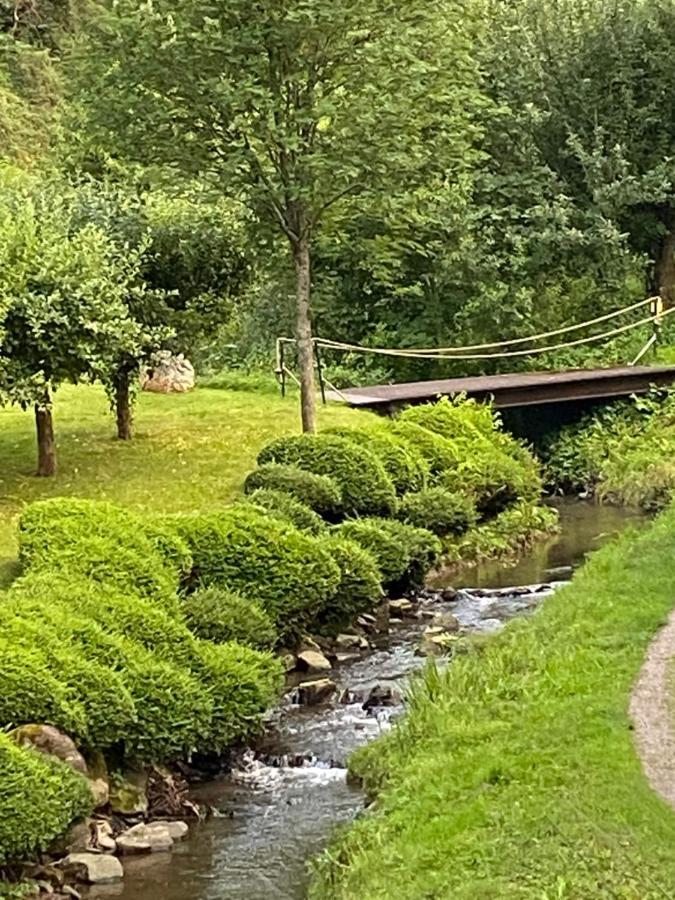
514	774
191	452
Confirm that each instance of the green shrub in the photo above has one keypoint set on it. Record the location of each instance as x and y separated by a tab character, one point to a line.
30	692
99	540
439	453
289	509
493	479
287	571
406	467
39	798
169	544
456	418
174	711
116	611
359	589
439	511
320	492
241	684
365	486
404	554
219	615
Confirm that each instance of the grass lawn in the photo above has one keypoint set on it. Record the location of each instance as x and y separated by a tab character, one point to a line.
191	451
514	774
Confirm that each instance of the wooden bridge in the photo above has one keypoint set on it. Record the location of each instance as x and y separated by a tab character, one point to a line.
517	390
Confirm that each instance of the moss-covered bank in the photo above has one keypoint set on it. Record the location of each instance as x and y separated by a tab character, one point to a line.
514	774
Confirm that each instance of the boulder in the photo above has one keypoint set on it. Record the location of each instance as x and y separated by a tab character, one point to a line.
401	608
100	791
449	595
128	797
312	693
348	642
93	868
51	741
445	621
347	657
170	375
313	662
153	837
178	830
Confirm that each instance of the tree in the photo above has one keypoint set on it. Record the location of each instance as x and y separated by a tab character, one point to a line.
304	105
62	310
598	77
191	263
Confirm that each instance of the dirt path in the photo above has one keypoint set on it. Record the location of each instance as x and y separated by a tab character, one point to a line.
652	715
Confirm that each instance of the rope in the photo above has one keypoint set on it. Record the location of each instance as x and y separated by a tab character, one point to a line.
338	345
413	354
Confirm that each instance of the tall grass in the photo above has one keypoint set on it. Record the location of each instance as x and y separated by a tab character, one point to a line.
514	774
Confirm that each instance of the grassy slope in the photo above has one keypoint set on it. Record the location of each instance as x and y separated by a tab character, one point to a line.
514	774
191	452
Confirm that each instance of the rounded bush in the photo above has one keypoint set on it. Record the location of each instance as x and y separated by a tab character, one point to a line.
366	488
288	572
406	467
320	492
116	611
241	684
359	589
39	798
286	507
219	615
458	418
404	554
440	453
173	709
30	691
439	511
99	540
493	479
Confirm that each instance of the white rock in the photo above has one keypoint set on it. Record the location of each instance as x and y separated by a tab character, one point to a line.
313	662
311	693
401	607
153	837
93	868
170	375
178	830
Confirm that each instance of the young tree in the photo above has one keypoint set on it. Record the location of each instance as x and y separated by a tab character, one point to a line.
302	104
62	311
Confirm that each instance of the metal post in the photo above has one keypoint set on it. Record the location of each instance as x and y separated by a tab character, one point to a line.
319	367
657	312
281	366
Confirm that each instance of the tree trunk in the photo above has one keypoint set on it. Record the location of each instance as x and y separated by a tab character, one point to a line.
301	258
665	269
123	405
45	439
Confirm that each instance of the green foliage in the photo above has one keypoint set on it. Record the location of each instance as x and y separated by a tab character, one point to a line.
439	511
365	486
404	554
359	588
287	571
622	454
455	419
219	615
241	684
286	507
39	798
100	541
440	453
405	466
320	492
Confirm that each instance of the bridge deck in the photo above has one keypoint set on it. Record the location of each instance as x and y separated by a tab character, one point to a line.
516	389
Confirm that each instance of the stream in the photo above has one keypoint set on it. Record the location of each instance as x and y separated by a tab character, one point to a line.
281	804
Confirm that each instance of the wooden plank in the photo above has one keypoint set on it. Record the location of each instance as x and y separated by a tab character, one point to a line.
517	388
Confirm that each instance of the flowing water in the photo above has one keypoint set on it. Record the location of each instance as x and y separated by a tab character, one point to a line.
283	801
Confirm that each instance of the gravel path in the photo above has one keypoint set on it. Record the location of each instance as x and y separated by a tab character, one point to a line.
653	716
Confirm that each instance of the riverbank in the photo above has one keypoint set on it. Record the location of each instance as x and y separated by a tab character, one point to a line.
514	773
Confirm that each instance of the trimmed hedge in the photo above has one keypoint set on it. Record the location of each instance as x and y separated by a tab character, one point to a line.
366	488
99	540
405	465
219	615
458	418
440	453
493	479
39	798
320	492
404	554
439	511
286	507
290	573
359	589
241	684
